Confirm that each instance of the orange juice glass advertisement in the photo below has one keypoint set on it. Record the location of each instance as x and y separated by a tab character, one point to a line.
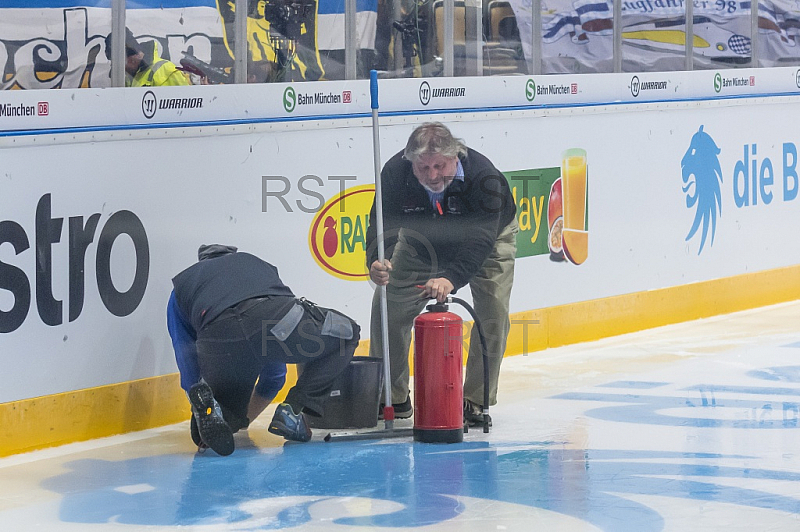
574	235
573	176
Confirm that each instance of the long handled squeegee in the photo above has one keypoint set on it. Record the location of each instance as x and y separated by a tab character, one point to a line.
388	410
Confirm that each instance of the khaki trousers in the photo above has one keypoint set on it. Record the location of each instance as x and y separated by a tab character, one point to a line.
491	292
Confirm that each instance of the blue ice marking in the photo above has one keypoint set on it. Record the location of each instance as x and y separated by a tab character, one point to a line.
780	373
649	409
581	483
640	385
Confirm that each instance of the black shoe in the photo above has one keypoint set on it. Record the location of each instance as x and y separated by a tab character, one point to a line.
289	425
473	416
402	410
211	426
235	423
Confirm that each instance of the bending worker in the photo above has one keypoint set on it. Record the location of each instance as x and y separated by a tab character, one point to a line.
145	68
234	327
449	221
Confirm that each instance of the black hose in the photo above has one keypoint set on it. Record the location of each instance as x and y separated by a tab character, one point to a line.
485	350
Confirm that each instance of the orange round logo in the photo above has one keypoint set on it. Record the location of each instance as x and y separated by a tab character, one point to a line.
338	234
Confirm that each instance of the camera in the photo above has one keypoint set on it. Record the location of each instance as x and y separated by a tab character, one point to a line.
286	17
213	74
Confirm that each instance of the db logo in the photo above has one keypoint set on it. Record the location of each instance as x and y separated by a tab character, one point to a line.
43	109
574	88
752	81
346	97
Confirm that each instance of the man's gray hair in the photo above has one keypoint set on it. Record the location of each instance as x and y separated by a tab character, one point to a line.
433	138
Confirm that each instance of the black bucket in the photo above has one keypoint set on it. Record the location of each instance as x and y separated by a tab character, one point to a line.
355	397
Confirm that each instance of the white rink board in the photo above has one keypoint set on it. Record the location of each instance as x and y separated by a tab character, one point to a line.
194	185
34	111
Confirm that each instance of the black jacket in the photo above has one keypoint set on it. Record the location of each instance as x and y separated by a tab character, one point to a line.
205	289
456	242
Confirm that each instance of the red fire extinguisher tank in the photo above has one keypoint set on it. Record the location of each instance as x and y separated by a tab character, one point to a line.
438	370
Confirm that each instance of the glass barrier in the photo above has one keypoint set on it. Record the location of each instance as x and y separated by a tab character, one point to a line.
174	46
282	41
722	34
654	38
42	46
384	30
504	51
50	48
778	42
335	21
577	36
367	25
331	38
405	39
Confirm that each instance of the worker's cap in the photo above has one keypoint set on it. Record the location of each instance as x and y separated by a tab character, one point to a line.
132	46
212	251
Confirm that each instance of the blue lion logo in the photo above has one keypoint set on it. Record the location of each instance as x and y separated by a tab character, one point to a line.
700	167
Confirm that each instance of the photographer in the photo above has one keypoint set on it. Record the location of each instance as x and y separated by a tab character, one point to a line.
145	68
281	33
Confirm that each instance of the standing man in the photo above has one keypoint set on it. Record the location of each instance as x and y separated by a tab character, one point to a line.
449	221
234	327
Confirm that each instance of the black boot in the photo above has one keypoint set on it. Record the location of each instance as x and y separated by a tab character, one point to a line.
211	426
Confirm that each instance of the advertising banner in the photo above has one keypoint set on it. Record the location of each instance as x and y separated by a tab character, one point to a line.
58	44
253	103
135	107
577	35
46	44
93	228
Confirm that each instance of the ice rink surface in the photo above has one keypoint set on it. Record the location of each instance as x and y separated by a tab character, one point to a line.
686	427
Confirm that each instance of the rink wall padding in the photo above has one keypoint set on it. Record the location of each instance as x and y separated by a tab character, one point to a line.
147	403
642	199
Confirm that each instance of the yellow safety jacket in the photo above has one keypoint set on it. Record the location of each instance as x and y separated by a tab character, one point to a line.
156	71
